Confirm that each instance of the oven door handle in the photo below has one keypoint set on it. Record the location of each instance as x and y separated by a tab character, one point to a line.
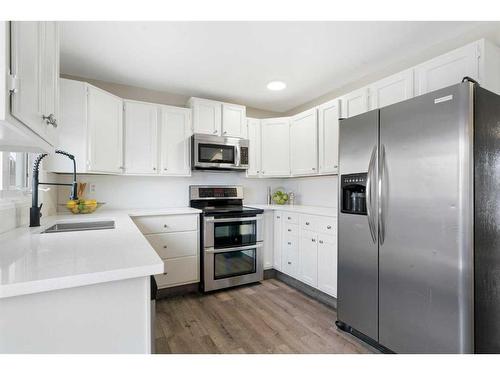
211	250
232	219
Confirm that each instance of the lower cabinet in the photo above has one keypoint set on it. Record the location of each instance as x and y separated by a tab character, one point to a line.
268	239
176	240
307	250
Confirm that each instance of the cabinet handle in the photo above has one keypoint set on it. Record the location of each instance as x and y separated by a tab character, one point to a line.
263	172
164	246
313	239
165	226
224	132
215	131
320	241
314	169
289	230
122	168
307	223
154	169
278	217
289	243
329	227
50	120
289	218
289	262
164	169
335	166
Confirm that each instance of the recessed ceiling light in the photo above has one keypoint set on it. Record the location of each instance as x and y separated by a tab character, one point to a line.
276	85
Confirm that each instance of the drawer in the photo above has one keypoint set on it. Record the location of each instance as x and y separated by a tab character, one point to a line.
321	224
291	230
179	271
174	245
290	217
166	223
290	242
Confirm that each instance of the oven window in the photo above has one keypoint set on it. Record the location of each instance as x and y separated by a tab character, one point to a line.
237	233
208	153
235	263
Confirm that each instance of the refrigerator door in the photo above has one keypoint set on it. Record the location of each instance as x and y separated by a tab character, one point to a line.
357	301
425	223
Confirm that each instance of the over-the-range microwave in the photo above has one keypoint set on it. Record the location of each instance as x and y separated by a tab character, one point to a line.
215	152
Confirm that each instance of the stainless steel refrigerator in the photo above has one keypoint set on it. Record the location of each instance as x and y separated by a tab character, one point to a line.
419	223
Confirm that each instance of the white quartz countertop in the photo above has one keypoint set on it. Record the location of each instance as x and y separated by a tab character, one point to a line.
311	210
33	262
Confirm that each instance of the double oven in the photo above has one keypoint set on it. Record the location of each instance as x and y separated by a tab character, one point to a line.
231	237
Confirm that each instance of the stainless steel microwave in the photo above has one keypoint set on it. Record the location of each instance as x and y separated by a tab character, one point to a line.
215	152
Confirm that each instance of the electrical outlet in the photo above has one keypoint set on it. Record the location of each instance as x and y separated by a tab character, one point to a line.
92	188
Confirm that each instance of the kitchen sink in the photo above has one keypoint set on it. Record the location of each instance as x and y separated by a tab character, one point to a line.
80	226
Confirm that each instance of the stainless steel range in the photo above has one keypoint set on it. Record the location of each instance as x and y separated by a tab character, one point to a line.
231	237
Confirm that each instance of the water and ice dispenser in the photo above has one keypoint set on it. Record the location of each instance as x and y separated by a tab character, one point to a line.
353	188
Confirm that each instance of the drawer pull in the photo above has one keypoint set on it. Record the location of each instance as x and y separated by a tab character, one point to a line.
278	217
320	241
165	226
289	230
289	218
329	227
289	262
164	246
307	223
313	239
289	243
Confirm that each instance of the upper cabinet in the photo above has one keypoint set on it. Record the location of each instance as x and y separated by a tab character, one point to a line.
30	99
355	103
217	118
175	141
304	143
275	147
234	120
254	157
448	69
328	135
390	90
105	131
141	137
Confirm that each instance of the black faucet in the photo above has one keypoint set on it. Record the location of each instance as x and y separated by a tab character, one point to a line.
35	210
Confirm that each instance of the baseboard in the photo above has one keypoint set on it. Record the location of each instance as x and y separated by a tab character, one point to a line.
314	293
269	274
176	291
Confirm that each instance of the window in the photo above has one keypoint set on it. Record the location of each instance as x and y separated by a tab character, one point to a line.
14	170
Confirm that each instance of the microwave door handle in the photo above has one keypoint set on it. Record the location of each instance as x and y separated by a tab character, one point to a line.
211	250
237	156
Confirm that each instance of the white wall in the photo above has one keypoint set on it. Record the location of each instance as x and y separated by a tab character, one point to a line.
314	191
148	192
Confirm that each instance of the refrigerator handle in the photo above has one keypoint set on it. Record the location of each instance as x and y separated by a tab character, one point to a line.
382	195
369	200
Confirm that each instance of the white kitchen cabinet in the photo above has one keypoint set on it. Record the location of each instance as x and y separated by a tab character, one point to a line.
393	89
355	103
268	239
234	122
327	264
290	261
275	147
254	157
175	141
278	240
141	137
207	116
308	258
448	69
304	143
105	131
35	76
328	137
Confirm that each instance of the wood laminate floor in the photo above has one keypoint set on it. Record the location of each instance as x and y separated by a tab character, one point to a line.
269	317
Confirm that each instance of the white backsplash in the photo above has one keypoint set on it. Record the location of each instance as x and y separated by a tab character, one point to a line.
148	192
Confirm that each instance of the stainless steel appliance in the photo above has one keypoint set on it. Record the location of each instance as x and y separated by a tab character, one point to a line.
215	152
231	237
419	219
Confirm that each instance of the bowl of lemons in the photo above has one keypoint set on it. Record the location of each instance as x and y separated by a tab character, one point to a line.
280	196
83	206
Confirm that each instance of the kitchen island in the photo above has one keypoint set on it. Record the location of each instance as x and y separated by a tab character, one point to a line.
79	291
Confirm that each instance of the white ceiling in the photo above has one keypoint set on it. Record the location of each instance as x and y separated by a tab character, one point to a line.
234	60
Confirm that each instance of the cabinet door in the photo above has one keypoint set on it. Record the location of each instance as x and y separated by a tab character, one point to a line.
26	46
393	89
49	78
105	131
448	69
254	157
328	123
327	264
175	145
207	116
308	258
268	239
278	243
275	147
290	256
141	138
304	143
234	120
355	103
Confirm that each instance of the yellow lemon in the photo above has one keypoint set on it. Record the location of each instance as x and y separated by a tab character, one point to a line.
70	204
